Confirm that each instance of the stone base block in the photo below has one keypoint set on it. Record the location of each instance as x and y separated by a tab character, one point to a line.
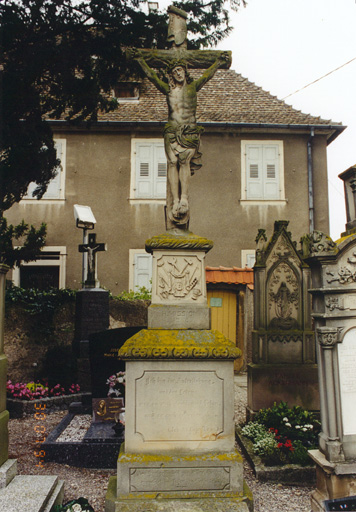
178	317
8	471
295	384
4	436
333	480
178	502
145	473
32	493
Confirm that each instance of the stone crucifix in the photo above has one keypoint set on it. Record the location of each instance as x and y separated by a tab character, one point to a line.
92	248
181	133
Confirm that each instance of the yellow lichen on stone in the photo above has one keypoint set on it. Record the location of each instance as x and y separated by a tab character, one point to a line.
179	344
183	241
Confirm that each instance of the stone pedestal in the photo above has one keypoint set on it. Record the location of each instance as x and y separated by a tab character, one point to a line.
334	480
179	452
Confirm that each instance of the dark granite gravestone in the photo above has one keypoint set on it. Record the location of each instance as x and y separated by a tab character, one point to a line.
103	354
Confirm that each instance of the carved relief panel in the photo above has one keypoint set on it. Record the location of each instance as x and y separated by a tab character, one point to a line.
283	298
179	278
343	273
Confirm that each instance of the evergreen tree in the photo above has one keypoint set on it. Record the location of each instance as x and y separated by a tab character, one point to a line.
61	58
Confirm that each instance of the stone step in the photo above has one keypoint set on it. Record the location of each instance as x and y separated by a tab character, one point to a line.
33	493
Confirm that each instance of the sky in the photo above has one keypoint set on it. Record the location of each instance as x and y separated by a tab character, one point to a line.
283	45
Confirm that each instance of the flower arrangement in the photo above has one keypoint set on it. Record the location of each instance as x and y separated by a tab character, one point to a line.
79	505
283	435
36	390
116	385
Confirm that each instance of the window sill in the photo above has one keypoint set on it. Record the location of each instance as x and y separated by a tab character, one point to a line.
139	200
42	201
263	202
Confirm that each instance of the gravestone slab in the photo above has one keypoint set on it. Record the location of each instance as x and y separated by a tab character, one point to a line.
104	359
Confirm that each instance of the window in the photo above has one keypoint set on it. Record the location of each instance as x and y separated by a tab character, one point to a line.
126	92
262	171
55	189
140	269
148	170
248	258
47	271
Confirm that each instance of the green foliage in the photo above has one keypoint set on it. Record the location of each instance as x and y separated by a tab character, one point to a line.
39	301
293	423
61	58
142	293
283	435
79	505
30	240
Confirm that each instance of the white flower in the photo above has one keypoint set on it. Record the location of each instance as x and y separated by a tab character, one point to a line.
297	426
76	508
304	429
288	425
285	419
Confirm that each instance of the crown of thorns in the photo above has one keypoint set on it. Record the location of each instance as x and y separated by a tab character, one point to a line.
175	64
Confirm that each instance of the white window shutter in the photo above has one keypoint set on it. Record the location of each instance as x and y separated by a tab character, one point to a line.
271	172
142	271
254	176
54	186
144	170
160	167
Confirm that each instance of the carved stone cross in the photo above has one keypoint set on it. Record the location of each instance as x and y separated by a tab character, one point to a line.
181	133
92	248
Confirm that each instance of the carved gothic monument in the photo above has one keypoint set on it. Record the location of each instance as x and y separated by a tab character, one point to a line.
283	359
179	452
333	267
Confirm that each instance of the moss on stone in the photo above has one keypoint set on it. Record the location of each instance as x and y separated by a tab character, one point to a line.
179	344
185	240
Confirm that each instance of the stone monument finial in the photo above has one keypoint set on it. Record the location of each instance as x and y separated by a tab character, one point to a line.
177	27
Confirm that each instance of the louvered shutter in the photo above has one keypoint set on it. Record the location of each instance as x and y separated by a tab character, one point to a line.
54	187
271	171
142	271
254	174
160	166
144	170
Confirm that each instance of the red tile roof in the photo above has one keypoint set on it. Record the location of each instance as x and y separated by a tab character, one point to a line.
230	275
227	98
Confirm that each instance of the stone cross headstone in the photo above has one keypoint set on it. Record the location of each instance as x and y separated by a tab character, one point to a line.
92	248
181	133
179	452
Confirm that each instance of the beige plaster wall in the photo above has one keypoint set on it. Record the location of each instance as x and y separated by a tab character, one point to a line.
98	172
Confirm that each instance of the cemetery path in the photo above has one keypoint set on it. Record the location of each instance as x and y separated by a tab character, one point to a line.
92	483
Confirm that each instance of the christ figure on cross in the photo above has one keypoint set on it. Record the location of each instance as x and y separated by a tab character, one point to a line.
181	133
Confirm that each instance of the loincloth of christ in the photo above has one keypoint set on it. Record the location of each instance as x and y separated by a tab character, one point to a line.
181	138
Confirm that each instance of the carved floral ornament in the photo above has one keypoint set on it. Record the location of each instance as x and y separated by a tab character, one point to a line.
328	336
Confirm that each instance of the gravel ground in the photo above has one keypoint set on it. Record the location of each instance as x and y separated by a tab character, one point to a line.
92	483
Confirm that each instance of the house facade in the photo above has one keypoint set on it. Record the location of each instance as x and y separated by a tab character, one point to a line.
262	161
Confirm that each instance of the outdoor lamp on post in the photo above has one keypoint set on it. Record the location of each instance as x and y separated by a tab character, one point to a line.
153	6
85	220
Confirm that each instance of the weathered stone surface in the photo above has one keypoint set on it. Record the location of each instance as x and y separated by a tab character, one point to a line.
178	344
178	317
179	407
35	493
8	471
294	384
139	473
178	277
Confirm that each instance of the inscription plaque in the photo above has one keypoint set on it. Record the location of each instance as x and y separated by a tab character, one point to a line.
174	397
179	479
347	365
